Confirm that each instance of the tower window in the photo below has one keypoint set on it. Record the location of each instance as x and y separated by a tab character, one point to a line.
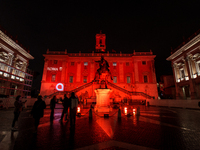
114	64
85	63
127	63
144	62
100	42
71	79
55	62
53	78
85	79
114	79
145	79
72	63
128	79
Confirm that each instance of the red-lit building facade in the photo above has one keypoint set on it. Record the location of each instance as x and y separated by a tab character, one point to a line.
185	61
133	74
15	77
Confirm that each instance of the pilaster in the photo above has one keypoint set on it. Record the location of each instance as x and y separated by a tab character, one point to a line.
63	71
136	71
175	81
45	70
192	89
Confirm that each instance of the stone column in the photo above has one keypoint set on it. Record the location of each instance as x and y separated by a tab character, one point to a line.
191	83
175	81
10	57
136	71
63	71
45	70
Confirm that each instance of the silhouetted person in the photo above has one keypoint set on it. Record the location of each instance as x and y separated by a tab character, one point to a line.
38	110
73	109
66	105
52	107
18	108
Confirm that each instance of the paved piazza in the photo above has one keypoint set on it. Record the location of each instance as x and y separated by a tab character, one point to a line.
154	128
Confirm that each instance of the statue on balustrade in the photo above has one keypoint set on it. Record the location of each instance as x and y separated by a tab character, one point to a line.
103	73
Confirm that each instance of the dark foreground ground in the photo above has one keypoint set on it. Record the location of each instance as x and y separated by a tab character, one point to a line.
154	128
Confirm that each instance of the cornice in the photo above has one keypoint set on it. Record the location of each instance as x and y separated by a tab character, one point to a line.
6	48
185	47
21	58
13	44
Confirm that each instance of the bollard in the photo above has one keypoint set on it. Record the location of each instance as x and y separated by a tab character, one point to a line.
90	113
138	111
119	113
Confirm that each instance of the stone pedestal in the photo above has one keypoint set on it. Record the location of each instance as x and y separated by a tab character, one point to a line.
102	100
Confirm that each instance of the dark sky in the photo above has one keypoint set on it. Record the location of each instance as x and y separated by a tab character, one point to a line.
128	25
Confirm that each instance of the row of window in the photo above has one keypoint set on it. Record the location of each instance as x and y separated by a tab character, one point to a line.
128	79
195	73
86	63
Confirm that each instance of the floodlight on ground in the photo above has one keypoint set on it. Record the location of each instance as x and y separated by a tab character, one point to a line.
134	111
78	111
125	110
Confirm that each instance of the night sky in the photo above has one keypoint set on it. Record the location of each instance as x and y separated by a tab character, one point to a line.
128	25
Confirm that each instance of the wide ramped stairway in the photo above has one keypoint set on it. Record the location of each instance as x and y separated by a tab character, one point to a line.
110	84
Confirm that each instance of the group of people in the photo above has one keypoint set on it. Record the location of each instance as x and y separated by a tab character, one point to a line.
69	103
38	109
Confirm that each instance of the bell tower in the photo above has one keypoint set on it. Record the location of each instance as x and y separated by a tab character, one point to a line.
100	42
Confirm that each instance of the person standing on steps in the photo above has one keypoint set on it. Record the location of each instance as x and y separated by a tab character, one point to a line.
66	105
52	107
73	109
38	111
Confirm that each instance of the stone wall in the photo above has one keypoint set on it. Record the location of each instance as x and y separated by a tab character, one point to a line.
193	104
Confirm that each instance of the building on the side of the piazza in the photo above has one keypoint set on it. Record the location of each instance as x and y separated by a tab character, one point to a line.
133	74
167	87
15	77
185	61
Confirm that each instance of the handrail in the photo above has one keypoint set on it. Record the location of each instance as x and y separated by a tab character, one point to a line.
130	92
109	83
74	90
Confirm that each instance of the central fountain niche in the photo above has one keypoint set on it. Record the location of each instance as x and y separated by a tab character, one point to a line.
102	93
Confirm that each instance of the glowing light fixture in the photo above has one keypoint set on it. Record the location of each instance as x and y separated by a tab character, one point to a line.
186	78
125	110
194	75
5	75
178	80
1	73
60	87
134	111
12	77
21	79
78	109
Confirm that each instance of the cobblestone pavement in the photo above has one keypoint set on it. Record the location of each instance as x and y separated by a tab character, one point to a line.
154	128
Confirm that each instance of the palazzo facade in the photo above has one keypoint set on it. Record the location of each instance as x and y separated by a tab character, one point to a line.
186	68
15	78
133	74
